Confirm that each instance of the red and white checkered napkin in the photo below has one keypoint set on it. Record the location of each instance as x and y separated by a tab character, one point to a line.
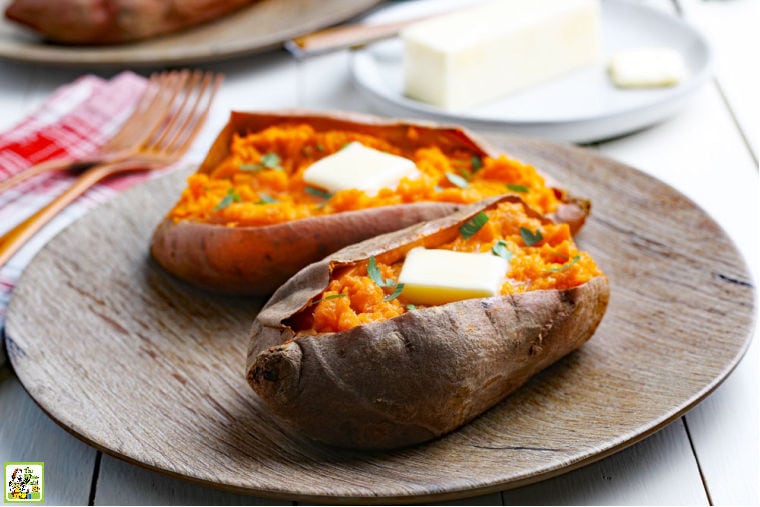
74	121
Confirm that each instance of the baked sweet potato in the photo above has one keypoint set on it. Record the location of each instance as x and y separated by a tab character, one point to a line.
352	364
115	21
247	221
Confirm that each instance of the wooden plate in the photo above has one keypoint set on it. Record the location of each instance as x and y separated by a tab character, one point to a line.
264	25
151	370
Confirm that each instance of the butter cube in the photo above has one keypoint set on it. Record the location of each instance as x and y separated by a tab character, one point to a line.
646	67
357	166
470	57
435	277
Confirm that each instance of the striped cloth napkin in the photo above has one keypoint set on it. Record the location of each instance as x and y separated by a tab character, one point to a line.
74	121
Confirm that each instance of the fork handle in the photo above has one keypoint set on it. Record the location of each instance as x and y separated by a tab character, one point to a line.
12	240
56	164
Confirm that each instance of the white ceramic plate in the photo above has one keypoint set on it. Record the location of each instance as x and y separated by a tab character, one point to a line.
581	107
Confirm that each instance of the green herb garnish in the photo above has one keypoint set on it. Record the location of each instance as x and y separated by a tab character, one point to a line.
266	199
529	237
374	274
268	161
457	180
468	229
500	250
517	188
395	294
476	162
320	147
410	307
318	192
232	196
564	266
327	298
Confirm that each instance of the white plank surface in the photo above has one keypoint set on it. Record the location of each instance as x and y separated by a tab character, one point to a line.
657	471
732	32
28	434
121	483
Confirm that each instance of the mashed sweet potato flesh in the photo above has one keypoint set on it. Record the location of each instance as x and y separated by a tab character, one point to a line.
352	298
261	182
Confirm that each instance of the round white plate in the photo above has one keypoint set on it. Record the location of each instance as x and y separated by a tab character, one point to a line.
583	106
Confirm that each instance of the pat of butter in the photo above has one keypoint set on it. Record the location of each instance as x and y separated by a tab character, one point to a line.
357	166
647	67
476	55
435	277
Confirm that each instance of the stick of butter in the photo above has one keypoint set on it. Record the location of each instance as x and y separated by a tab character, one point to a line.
435	277
646	67
357	166
473	56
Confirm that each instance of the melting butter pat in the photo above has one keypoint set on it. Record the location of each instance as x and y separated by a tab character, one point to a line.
357	166
647	67
476	55
435	277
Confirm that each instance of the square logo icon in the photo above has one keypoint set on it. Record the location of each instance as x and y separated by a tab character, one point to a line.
24	482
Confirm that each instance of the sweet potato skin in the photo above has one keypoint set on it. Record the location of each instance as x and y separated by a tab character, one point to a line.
115	21
257	260
417	376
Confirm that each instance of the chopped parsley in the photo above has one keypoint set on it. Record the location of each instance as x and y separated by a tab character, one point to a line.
317	192
476	162
395	294
327	298
468	229
500	250
374	274
410	307
232	196
457	180
266	199
529	237
564	266
517	188
268	161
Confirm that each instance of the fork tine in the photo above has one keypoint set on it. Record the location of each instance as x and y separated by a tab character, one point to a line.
147	114
172	125
199	118
192	117
161	109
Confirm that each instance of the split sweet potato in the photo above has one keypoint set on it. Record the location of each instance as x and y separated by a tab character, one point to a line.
223	240
426	371
115	21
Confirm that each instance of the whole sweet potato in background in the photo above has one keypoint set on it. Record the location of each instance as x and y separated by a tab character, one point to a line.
417	376
257	260
114	21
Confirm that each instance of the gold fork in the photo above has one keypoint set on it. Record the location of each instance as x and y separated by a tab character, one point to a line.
149	111
180	121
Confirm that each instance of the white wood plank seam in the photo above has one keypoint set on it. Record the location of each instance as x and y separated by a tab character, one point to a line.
732	113
696	458
95	476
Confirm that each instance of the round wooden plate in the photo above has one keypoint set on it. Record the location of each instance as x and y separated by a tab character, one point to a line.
151	370
264	25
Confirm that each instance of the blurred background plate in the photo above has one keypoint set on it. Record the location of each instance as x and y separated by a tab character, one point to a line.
261	26
581	107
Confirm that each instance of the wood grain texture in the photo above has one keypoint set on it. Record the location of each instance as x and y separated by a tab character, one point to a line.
151	370
264	25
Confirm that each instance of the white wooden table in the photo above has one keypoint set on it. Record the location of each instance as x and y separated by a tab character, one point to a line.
709	151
